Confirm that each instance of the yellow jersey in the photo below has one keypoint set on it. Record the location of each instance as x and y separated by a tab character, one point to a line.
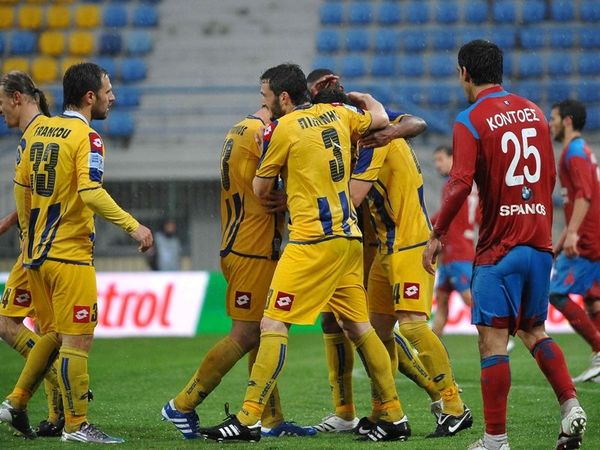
62	156
247	229
396	201
311	149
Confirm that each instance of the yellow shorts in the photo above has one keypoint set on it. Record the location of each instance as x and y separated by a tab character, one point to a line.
65	297
248	281
310	276
398	282
17	298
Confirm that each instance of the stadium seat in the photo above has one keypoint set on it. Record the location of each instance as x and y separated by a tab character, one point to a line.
110	44
52	43
588	91
533	11
557	91
30	17
328	41
471	33
360	13
4	130
357	40
590	11
9	2
532	38
508	64
81	43
589	63
443	38
439	94
58	16
504	37
562	10
504	11
389	14
133	69
2	44
562	36
411	66
403	94
120	124
529	89
381	92
442	65
414	41
530	65
383	66
15	63
324	62
22	43
63	1
592	122
352	66
37	1
87	16
7	17
145	16
109	64
331	14
417	12
386	41
128	96
44	69
114	16
138	42
446	12
69	61
559	63
476	11
589	37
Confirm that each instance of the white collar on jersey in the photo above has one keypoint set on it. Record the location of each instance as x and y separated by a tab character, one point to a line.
72	113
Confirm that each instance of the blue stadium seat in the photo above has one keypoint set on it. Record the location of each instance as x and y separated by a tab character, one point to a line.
439	94
530	65
331	14
588	91
128	96
360	13
383	66
411	66
471	33
504	37
110	44
589	63
386	41
446	11
357	40
443	38
4	130
381	92
403	94
414	41
22	43
557	91
389	14
589	37
505	11
120	124
114	16
560	63
562	10
138	42
145	16
417	12
109	64
476	11
592	122
328	41
530	90
533	11
532	38
324	62
442	65
508	64
590	11
133	69
352	66
562	36
2	44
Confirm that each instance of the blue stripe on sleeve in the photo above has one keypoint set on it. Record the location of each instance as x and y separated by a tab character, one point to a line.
576	148
365	157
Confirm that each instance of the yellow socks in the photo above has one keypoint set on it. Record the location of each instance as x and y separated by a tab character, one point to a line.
267	368
74	384
339	352
410	365
53	394
25	340
40	357
218	361
272	414
370	349
435	358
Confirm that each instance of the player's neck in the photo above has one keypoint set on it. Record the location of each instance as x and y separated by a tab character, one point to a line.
482	87
29	112
569	136
85	112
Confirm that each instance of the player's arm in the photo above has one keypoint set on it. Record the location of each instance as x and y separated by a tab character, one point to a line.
379	117
366	171
402	126
8	221
359	190
23	201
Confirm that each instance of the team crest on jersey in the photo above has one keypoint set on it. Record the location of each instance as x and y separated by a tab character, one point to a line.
243	299
81	314
411	291
22	298
284	301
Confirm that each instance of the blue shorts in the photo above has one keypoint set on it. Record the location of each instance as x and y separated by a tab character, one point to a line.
574	275
513	293
454	276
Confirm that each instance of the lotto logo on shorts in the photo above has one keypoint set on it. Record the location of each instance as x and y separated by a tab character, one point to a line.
284	301
22	298
411	291
243	299
81	314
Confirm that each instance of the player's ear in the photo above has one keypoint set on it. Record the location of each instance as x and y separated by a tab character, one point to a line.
17	97
88	97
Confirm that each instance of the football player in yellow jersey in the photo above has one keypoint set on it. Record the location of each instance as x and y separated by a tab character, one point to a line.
58	188
251	235
310	147
24	106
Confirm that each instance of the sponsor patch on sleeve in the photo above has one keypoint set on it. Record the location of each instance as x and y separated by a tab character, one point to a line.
353	108
96	159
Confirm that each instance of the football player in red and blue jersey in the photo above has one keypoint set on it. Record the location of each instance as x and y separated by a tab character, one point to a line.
502	143
577	268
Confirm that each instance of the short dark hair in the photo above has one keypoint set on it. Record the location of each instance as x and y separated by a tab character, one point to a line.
573	109
331	95
79	79
287	78
318	73
17	81
483	61
447	149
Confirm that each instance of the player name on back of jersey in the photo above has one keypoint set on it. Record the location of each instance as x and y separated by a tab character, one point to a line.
323	119
57	132
502	119
239	130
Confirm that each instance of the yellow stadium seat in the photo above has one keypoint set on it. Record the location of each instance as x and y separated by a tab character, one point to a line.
52	43
68	62
7	17
81	43
30	17
58	16
87	16
8	2
37	1
44	69
63	1
21	64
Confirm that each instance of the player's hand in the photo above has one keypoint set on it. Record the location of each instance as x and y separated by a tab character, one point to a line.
570	244
432	250
326	81
275	201
379	138
144	237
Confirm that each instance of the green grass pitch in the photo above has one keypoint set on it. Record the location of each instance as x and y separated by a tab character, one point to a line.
133	378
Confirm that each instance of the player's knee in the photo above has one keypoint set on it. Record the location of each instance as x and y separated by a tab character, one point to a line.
245	334
329	324
558	301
